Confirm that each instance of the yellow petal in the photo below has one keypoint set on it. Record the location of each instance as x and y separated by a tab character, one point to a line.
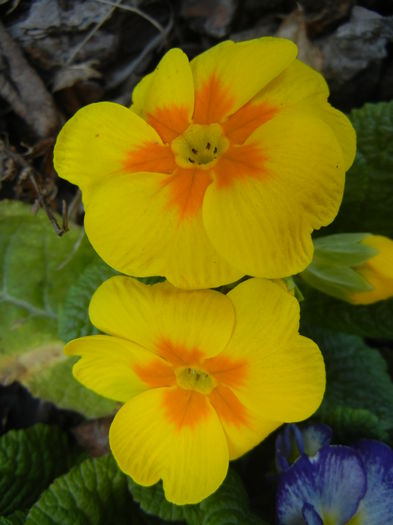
165	98
157	435
267	317
340	125
290	384
176	324
284	374
243	427
261	219
297	83
135	227
95	143
378	271
140	92
109	365
300	86
229	74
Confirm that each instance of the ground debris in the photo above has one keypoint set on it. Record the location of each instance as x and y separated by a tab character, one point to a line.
24	90
212	17
92	435
356	44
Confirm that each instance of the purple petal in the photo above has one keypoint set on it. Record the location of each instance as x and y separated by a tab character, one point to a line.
333	482
293	442
376	508
311	516
283	448
315	437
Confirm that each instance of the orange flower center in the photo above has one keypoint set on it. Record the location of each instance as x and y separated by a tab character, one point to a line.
191	378
199	146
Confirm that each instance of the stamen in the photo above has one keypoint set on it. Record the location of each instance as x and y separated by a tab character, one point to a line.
195	151
215	150
208	145
195	379
191	160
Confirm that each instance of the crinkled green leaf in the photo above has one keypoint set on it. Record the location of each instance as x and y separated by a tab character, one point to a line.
359	390
29	460
351	424
227	506
74	317
16	518
152	501
374	320
37	269
368	200
92	493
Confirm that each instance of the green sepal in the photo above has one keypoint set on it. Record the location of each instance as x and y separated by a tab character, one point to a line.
333	268
344	249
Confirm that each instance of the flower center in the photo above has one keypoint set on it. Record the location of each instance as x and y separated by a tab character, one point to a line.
191	378
199	146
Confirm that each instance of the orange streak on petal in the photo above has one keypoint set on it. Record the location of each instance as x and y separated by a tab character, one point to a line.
229	409
187	189
169	122
247	119
185	408
177	354
240	162
226	370
150	157
156	374
213	101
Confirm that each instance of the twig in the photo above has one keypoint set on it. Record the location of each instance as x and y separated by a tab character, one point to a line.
29	172
133	65
77	49
75	248
136	11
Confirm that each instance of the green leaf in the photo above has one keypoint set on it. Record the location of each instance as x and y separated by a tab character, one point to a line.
359	390
368	199
351	424
16	518
374	320
37	269
29	460
92	493
74	317
227	506
152	501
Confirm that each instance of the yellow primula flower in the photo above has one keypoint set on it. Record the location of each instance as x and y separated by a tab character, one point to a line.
204	376
222	167
377	271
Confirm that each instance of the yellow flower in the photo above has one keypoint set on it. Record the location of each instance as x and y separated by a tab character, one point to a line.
377	271
222	167
204	376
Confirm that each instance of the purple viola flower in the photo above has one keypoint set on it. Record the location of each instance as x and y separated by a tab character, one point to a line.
339	486
294	441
